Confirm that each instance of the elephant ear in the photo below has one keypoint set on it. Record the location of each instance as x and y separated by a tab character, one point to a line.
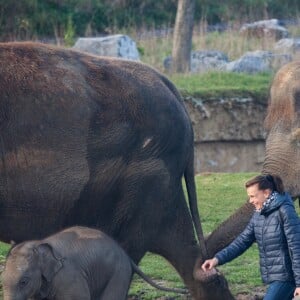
50	261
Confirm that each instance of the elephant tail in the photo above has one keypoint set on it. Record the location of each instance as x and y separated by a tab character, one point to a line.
138	271
189	178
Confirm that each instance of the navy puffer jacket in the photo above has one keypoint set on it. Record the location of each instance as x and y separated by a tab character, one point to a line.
276	229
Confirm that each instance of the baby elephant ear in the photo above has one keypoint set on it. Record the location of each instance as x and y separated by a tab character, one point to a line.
50	262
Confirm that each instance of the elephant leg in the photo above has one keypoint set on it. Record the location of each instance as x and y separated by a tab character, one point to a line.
117	287
153	215
176	242
75	293
71	286
139	211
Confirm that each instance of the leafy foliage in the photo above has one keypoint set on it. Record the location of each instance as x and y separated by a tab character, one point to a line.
38	19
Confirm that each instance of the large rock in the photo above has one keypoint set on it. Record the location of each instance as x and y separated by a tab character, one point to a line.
203	61
251	62
258	62
289	45
114	45
265	28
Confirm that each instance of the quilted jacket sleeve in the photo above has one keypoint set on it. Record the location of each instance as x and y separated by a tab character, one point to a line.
291	225
238	246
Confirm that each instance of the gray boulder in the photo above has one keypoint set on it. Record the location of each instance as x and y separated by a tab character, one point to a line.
291	45
114	45
203	61
265	28
257	62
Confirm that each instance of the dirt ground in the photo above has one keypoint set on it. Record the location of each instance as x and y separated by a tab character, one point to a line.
255	294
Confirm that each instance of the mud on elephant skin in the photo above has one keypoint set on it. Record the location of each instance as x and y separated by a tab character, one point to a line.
98	142
76	263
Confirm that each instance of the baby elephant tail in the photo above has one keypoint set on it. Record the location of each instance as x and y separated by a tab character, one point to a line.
138	271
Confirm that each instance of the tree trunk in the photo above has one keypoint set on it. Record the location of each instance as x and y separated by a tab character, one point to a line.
182	40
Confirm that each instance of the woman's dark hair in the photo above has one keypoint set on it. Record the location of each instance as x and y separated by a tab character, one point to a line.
268	181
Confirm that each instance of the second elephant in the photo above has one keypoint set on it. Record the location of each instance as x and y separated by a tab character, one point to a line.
78	263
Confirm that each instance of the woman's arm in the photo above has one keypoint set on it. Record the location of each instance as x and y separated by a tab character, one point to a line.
233	250
291	226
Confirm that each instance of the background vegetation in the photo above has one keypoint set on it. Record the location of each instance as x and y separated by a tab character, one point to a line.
42	19
150	23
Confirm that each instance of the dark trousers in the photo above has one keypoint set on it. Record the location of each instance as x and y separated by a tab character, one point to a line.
280	290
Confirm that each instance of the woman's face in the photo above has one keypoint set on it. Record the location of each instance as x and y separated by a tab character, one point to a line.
257	197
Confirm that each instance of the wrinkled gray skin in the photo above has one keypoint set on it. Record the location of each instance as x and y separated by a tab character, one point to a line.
282	157
78	263
99	142
283	126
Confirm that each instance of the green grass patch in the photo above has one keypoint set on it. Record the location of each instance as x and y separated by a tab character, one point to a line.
223	84
161	271
3	250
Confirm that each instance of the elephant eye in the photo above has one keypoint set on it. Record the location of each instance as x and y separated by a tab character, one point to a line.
24	281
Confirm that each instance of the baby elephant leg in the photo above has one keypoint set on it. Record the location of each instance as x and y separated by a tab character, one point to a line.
76	290
118	286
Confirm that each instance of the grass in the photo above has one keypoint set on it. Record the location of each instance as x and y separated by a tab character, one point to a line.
219	195
223	84
3	251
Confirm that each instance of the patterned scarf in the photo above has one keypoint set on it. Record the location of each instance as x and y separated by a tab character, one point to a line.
268	201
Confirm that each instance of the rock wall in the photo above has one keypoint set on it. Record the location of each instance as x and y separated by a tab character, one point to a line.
229	133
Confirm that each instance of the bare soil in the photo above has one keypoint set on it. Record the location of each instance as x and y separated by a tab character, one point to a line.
255	294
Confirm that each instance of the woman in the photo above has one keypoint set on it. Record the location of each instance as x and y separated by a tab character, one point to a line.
275	226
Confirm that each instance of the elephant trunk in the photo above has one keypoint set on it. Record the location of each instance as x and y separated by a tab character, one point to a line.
280	160
226	232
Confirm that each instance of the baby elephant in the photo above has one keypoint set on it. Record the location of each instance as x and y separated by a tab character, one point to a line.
78	263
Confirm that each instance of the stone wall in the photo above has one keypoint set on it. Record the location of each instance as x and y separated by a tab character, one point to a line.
229	134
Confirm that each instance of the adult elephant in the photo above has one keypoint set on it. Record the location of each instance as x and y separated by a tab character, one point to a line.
282	149
99	142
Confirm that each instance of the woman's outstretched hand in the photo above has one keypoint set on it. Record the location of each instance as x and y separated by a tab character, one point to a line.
297	292
209	264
